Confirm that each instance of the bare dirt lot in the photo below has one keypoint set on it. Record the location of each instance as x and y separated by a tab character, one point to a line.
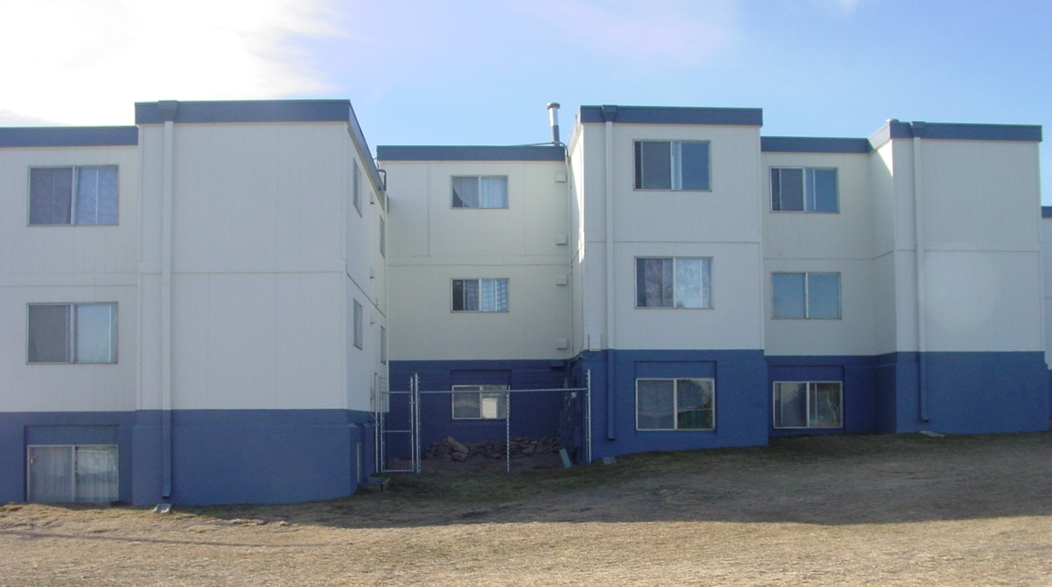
833	510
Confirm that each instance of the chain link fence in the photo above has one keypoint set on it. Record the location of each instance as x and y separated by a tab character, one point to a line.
482	427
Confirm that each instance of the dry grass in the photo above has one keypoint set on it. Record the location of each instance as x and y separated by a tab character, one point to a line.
879	510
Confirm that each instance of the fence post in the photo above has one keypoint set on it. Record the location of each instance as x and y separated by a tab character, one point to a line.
507	436
415	423
588	417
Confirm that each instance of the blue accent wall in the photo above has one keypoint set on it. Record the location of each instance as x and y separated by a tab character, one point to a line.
741	398
70	136
813	145
857	374
534	414
219	456
967	392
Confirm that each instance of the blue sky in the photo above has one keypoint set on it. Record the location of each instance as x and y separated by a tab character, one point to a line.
480	72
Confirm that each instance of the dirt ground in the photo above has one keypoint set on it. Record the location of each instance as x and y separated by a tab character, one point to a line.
833	510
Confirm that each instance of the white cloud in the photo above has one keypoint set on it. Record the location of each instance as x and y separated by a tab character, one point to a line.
673	31
87	61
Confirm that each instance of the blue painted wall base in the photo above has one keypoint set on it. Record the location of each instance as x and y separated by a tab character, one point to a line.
218	456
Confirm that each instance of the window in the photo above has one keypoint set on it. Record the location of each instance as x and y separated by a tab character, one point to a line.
808	404
73	195
806	295
356	188
480	295
674	282
807	189
480	402
72	333
357	324
672	165
675	404
480	191
383	345
64	474
383	238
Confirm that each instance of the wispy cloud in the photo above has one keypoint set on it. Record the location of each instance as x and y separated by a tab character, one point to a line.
842	6
674	31
86	61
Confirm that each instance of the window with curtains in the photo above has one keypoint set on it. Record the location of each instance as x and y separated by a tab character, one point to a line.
672	165
803	189
674	282
480	295
67	474
73	195
808	404
72	333
480	191
675	404
480	402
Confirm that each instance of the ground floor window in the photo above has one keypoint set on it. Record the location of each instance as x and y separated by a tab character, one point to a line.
808	404
675	404
480	402
64	473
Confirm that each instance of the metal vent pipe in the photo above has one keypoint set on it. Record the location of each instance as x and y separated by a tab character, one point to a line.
553	119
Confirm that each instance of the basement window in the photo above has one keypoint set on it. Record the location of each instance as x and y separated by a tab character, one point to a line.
675	404
67	474
808	404
480	402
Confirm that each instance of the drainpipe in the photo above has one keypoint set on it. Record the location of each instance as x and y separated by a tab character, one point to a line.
168	110
609	113
918	239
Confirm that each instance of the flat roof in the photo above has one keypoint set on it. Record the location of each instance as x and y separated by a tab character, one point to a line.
814	145
671	115
69	136
470	153
895	129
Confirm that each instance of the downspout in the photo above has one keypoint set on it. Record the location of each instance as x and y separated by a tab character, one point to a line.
609	113
168	111
918	239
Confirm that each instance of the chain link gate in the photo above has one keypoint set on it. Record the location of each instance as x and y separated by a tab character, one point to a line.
419	430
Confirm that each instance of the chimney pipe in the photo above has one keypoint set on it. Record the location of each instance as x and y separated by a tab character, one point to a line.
553	119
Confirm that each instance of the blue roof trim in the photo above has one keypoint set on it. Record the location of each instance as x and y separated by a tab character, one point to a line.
672	115
242	111
1046	211
69	136
895	129
469	153
813	145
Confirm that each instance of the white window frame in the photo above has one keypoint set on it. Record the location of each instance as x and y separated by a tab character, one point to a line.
452	299
74	448
806	194
811	389
71	330
705	280
482	392
675	399
358	328
74	190
675	166
807	295
479	178
356	186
